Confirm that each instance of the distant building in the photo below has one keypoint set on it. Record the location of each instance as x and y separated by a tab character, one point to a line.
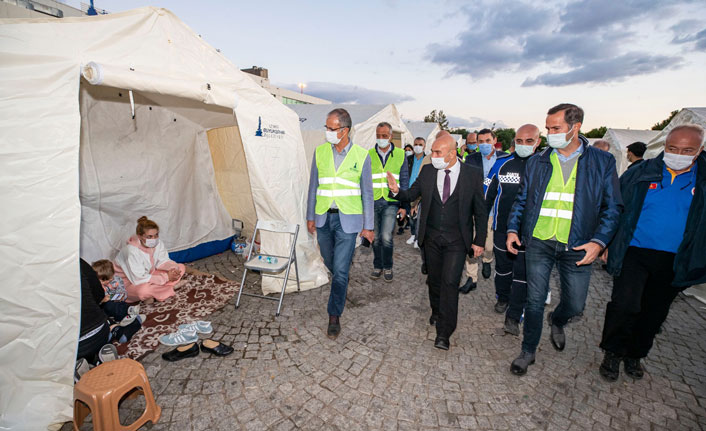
288	97
39	9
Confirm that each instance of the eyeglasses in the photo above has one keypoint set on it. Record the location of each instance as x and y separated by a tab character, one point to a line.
333	130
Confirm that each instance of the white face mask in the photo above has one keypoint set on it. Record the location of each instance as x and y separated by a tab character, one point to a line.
439	163
418	149
677	162
151	242
558	140
383	143
524	150
408	153
332	137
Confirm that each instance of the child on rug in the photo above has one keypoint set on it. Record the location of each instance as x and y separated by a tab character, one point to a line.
144	265
114	302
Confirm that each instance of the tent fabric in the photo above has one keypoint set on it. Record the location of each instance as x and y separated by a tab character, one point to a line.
619	139
685	116
425	130
365	119
66	147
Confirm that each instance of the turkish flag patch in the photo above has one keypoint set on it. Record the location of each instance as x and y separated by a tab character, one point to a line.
653	186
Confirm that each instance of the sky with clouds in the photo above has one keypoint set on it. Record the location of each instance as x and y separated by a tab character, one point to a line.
627	63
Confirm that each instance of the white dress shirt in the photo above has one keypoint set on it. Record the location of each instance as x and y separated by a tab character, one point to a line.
453	178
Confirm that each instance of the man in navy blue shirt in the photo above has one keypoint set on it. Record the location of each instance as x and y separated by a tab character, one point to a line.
658	249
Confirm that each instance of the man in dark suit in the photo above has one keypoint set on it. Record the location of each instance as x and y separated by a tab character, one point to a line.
452	204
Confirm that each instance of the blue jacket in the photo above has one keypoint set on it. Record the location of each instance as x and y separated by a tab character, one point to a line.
597	199
690	261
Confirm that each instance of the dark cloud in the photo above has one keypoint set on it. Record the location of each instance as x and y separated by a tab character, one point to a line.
686	32
610	69
344	93
587	40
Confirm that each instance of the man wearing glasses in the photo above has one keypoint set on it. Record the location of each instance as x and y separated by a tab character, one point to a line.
339	206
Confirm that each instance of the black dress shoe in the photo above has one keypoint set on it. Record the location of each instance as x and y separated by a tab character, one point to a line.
219	349
334	327
433	319
468	286
181	352
557	336
424	268
441	343
486	270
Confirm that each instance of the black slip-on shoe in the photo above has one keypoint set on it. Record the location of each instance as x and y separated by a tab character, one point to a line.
215	348
181	352
441	343
468	286
633	368
521	363
487	270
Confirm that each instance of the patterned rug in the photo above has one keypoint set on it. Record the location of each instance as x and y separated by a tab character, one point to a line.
196	299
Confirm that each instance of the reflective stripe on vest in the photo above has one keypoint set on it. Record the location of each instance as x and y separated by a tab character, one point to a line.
558	205
343	185
393	164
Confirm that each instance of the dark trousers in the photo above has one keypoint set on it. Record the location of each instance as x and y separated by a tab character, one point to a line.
541	257
445	256
518	290
385	219
115	309
504	263
640	302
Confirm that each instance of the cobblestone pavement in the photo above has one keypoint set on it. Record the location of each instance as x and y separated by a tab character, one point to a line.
383	372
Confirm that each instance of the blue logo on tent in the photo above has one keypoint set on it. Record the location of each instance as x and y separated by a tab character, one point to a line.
258	132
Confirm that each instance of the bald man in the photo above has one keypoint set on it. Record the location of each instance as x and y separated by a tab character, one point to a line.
658	250
503	184
602	144
452	207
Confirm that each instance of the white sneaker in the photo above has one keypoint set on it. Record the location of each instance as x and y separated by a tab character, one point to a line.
410	241
549	298
416	244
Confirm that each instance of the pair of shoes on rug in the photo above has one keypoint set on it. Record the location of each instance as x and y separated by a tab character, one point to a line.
133	312
191	350
188	333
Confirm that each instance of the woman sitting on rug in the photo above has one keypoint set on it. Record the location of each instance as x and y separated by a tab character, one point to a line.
145	266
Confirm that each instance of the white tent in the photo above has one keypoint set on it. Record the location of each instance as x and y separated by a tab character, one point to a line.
365	119
619	139
76	170
685	116
421	129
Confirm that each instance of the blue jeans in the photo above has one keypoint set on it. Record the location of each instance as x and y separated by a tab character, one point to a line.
540	258
385	217
337	249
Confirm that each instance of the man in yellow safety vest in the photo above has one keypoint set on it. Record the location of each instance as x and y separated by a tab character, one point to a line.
565	214
385	157
339	206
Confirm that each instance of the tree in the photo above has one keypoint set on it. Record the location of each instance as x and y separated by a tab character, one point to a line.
505	136
597	132
439	118
460	131
662	124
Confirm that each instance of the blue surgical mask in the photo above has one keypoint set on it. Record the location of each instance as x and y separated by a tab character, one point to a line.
382	143
524	150
472	147
559	140
486	149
